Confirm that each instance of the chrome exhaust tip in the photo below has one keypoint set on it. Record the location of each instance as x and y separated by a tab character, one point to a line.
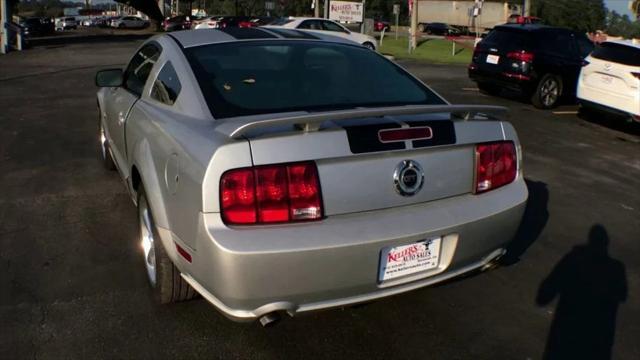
270	319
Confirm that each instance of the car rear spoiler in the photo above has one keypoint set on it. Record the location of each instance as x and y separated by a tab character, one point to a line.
237	127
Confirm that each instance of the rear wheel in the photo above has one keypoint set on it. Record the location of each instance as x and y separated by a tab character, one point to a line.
548	92
164	277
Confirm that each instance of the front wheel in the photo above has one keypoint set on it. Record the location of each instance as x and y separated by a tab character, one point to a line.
164	277
548	92
369	46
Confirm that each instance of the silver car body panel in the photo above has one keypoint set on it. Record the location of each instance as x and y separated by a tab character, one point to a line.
179	153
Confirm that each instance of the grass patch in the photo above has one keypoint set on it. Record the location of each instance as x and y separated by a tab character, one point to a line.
430	50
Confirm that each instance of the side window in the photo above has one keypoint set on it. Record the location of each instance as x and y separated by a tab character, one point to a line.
311	25
137	72
331	26
167	86
305	24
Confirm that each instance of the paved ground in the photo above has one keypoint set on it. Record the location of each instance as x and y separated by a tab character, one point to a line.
72	283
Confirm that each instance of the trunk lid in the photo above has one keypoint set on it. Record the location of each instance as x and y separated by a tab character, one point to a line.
356	169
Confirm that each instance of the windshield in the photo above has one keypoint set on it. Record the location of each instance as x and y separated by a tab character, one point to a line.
261	77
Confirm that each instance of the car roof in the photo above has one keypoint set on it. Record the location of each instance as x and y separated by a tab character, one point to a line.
630	43
191	38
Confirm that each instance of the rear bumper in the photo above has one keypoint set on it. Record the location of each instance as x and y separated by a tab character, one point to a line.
248	272
613	103
502	80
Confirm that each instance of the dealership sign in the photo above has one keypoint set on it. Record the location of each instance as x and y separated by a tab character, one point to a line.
345	11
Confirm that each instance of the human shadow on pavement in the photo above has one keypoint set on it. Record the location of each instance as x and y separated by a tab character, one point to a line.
533	222
589	285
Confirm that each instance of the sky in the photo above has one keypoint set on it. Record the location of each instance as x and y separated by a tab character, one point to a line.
620	6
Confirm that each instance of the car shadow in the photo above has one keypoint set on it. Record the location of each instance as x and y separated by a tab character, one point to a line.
534	220
589	285
610	121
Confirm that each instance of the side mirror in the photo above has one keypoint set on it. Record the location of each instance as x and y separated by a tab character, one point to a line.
109	78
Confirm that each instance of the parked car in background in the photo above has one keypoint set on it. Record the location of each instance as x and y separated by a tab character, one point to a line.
129	22
326	26
285	171
379	25
36	26
438	29
541	62
181	22
235	22
519	19
206	22
66	23
610	79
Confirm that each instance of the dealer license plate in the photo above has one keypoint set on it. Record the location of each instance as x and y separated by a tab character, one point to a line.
409	259
493	59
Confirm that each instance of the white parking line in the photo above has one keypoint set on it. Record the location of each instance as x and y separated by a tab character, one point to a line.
470	89
574	112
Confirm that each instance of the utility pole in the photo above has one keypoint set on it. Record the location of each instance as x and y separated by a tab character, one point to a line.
414	25
326	9
316	8
526	7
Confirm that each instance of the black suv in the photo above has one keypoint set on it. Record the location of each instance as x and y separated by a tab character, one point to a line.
542	62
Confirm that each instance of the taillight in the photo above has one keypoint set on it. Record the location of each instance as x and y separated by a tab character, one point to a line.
521	56
245	24
271	194
496	165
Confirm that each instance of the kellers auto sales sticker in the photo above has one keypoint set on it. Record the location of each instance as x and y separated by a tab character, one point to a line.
408	259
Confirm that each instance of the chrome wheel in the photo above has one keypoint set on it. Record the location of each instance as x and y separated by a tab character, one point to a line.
549	92
147	240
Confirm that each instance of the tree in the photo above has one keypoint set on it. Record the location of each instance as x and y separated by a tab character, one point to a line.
621	25
581	15
635	8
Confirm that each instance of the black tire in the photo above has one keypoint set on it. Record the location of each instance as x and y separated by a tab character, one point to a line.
369	46
548	92
103	147
489	89
167	286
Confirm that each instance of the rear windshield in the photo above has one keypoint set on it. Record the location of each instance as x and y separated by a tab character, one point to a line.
509	39
261	77
617	53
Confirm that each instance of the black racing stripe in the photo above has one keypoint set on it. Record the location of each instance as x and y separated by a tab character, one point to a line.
443	132
247	33
364	138
293	34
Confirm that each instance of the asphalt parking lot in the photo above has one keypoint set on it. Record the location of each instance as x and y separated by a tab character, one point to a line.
72	283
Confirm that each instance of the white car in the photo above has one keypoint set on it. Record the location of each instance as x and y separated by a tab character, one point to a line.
66	23
610	80
131	22
206	23
326	26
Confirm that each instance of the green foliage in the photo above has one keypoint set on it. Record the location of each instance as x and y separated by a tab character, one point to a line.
434	51
581	15
621	25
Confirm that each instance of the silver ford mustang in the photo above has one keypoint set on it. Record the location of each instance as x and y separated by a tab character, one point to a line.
277	171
